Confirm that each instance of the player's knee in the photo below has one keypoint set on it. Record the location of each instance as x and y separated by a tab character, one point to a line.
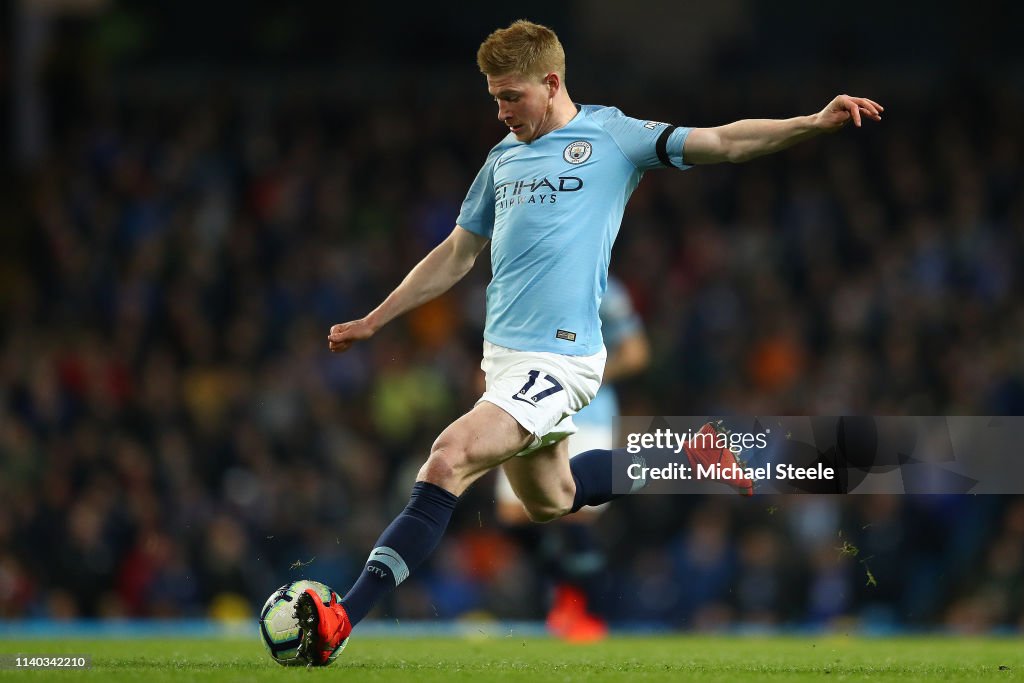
447	462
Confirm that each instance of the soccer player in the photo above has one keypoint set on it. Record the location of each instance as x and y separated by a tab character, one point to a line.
549	199
572	553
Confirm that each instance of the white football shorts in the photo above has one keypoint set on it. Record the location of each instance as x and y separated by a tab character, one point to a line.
541	390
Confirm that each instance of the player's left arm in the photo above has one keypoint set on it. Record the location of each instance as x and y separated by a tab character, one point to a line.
751	138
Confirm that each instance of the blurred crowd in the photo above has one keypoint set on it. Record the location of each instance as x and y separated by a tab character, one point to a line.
175	439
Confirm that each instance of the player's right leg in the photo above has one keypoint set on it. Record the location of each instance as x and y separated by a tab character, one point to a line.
475	443
543	481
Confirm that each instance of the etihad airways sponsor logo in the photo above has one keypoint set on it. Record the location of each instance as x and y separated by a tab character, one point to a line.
535	191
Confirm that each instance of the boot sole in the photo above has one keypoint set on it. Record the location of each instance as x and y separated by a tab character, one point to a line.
309	623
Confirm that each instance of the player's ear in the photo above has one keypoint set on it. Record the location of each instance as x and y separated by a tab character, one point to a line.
552	81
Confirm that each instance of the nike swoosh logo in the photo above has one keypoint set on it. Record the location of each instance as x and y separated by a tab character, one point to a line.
515	397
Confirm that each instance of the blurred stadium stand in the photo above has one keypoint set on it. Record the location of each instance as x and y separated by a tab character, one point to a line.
191	200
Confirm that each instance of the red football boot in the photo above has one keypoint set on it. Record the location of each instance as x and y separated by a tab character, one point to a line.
322	628
570	620
568	606
704	452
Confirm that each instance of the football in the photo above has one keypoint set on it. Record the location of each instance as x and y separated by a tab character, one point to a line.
279	629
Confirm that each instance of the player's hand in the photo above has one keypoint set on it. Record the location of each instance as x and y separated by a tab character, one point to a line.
344	335
845	108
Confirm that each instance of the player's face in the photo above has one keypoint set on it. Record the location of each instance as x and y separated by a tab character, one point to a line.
524	103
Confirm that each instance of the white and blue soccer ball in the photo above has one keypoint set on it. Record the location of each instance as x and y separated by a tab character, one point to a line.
279	629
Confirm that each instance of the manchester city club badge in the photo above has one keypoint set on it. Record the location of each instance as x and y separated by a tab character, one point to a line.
577	152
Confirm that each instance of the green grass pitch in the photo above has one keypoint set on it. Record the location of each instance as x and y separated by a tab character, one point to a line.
704	658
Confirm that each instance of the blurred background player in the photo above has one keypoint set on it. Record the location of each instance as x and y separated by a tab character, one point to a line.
569	551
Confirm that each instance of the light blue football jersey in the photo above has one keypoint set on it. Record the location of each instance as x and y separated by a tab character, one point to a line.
552	209
619	320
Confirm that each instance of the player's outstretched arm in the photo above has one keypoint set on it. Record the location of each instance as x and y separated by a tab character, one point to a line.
751	138
434	275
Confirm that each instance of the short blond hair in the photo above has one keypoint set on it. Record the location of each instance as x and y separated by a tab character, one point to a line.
524	49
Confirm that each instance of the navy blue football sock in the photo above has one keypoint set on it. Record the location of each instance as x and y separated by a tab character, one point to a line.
592	472
602	475
407	541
